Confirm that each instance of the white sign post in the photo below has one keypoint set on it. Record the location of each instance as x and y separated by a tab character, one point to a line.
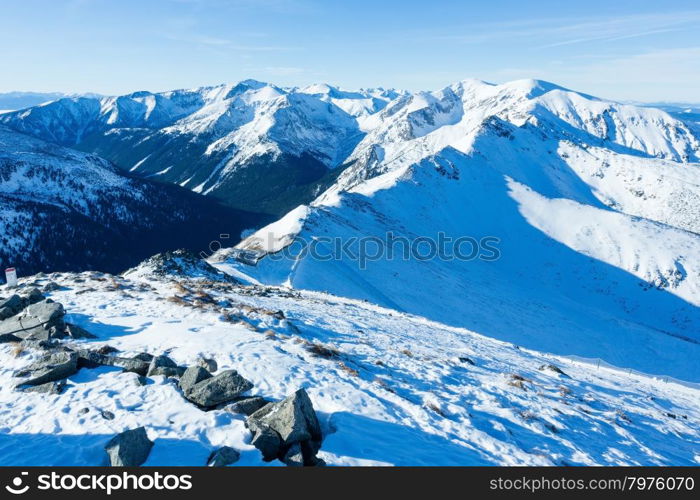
11	276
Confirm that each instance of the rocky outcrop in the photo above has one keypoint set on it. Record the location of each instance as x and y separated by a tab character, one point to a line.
129	449
288	430
247	406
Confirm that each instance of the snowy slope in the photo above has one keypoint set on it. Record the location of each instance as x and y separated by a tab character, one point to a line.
594	204
397	389
64	209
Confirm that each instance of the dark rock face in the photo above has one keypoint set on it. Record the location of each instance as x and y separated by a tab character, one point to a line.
288	430
129	449
51	367
223	456
247	406
222	388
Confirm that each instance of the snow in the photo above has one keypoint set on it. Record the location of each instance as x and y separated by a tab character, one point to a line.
397	395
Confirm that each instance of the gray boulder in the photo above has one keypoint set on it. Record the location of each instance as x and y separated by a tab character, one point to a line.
163	365
247	406
222	388
55	387
294	421
192	376
53	366
223	456
129	449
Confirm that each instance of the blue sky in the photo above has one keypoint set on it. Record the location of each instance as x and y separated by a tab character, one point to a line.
647	51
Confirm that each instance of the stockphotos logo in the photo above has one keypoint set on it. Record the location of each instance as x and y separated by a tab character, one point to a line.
18	487
107	483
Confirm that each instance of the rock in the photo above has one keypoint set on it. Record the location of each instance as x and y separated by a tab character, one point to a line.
51	286
48	345
142	356
55	387
192	376
40	321
76	332
267	440
11	306
222	388
108	349
129	449
53	366
223	456
8	337
84	411
208	364
93	359
163	365
34	295
247	406
294	456
294	421
107	415
464	359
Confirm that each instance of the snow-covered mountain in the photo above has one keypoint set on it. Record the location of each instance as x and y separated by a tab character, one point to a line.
64	209
595	205
253	145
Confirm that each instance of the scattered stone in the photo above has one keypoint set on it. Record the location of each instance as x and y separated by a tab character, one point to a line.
129	449
192	376
464	359
107	415
83	411
223	456
208	364
222	388
163	365
53	366
292	421
247	406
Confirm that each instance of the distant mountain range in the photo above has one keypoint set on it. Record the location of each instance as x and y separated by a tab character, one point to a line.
61	209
